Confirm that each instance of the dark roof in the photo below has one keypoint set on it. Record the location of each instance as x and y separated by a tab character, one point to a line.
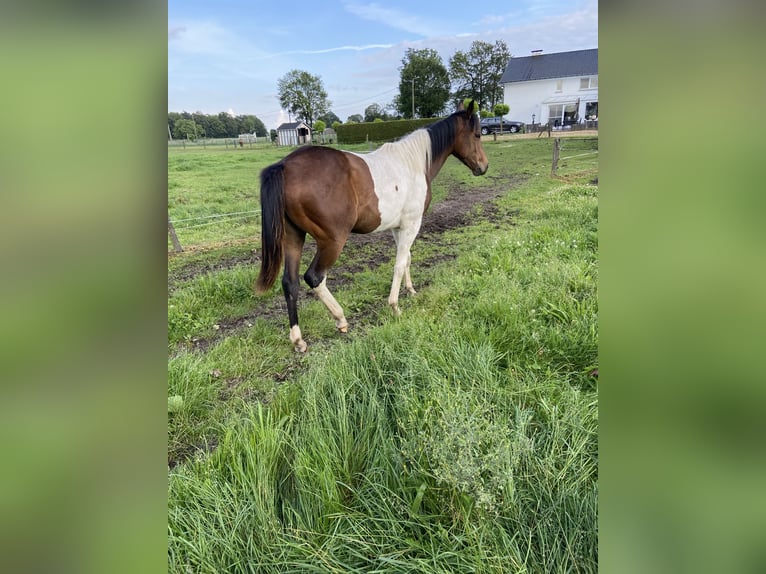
557	65
292	126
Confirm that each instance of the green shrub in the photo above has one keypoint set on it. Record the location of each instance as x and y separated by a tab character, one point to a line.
379	131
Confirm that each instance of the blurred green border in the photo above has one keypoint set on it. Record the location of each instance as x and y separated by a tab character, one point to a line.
681	267
682	283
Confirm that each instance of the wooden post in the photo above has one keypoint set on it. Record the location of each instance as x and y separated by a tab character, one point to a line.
556	151
173	237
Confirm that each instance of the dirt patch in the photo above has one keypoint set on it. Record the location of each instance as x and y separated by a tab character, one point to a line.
460	208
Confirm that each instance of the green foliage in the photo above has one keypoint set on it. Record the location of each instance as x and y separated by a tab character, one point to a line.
431	84
501	109
476	73
374	112
185	129
303	94
215	126
350	133
319	126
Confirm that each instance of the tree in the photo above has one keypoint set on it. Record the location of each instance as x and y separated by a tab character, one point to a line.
319	126
329	118
354	119
431	83
501	109
373	112
303	95
476	74
186	129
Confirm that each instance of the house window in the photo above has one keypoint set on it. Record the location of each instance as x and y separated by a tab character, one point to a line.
562	114
591	111
588	83
559	85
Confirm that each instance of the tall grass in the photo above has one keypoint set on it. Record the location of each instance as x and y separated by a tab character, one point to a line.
461	437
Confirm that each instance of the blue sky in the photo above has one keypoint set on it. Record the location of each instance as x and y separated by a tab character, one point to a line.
227	55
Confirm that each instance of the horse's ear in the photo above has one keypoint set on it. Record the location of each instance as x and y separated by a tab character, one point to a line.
471	107
460	106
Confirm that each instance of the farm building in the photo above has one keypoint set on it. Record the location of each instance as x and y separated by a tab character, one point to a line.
295	133
561	87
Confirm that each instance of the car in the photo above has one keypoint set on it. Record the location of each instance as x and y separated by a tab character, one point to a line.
492	125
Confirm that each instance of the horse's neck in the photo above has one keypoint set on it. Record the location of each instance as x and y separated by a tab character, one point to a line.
416	148
436	164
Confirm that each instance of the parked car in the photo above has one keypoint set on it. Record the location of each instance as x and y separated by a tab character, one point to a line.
492	125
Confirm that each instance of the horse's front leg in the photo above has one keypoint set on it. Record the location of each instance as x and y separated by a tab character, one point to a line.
407	279
404	238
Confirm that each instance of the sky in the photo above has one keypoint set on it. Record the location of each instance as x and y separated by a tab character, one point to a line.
228	55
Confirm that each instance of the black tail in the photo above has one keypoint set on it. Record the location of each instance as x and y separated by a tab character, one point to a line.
272	225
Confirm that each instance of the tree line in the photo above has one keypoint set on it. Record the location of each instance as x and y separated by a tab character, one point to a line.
185	125
426	88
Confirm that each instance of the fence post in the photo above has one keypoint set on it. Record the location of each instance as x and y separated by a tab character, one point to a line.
556	151
173	237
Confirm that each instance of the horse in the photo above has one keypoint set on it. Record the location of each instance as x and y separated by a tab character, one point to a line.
329	194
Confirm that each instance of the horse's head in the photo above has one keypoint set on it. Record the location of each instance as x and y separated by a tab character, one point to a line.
468	148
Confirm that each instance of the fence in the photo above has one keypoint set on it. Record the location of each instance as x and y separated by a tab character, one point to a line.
249	141
243	224
584	125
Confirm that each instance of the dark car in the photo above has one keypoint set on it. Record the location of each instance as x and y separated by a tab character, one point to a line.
492	125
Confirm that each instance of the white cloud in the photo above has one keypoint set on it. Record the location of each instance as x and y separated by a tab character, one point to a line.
393	18
328	50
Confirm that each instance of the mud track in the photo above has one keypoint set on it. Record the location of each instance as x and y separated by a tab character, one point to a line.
460	208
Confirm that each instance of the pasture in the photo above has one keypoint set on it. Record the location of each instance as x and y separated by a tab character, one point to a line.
459	437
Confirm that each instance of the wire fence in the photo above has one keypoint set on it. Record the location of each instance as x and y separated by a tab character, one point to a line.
242	225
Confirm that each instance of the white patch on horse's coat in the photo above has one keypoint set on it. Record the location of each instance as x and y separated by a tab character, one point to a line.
403	164
398	173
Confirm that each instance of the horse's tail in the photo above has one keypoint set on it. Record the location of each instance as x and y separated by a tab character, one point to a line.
272	225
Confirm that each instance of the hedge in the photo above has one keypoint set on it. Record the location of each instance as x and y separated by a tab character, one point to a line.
379	131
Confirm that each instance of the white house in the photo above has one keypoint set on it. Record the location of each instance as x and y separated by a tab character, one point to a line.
561	87
295	133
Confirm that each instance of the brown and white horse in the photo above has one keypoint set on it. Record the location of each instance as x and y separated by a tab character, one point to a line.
330	194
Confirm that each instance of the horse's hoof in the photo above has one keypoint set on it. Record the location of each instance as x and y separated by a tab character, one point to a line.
343	329
301	346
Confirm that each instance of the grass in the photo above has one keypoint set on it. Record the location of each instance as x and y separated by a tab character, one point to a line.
460	437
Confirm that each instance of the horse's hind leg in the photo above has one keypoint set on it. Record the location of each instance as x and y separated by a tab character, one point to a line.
293	244
316	277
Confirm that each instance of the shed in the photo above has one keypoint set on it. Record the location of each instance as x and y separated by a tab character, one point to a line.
294	133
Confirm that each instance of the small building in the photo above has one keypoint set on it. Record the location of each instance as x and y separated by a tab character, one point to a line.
294	133
560	87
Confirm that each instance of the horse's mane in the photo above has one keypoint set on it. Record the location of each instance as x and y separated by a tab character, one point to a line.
420	147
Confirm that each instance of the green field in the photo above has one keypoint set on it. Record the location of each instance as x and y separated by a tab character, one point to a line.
459	437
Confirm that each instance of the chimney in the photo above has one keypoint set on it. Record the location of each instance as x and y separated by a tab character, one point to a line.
536	52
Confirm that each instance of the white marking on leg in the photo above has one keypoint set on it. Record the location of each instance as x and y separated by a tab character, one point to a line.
297	339
332	305
404	238
407	279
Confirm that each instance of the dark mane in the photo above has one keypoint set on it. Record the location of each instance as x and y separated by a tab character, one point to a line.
443	132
